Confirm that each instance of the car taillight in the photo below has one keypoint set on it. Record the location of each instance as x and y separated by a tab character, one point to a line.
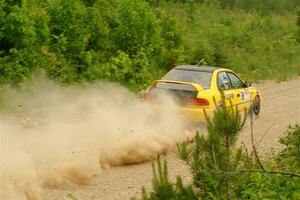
198	102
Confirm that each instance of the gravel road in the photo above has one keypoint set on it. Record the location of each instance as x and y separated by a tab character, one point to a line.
280	108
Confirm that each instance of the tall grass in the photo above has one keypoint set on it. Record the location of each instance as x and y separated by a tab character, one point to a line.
255	45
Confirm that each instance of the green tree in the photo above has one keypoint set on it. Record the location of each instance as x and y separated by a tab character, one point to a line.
163	189
298	23
23	30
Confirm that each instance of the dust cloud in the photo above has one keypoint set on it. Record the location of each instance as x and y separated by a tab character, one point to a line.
54	136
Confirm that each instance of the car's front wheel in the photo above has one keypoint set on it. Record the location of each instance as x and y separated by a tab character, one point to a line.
256	106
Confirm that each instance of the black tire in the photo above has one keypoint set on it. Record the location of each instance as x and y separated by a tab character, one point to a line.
255	107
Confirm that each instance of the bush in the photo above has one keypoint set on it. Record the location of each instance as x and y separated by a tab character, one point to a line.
77	41
289	157
282	181
184	150
163	189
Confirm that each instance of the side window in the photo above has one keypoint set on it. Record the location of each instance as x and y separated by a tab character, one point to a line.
235	81
223	81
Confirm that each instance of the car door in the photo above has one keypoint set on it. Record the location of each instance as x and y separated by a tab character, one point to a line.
225	86
241	92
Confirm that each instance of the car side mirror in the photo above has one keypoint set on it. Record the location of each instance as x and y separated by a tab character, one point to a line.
247	84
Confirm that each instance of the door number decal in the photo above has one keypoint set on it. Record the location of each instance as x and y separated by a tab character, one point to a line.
245	95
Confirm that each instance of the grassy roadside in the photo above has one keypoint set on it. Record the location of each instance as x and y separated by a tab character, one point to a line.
259	47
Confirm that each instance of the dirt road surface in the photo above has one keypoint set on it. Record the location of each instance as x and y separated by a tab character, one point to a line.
280	108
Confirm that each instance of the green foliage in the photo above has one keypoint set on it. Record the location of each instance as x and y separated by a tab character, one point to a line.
222	171
289	157
163	189
216	154
22	31
256	46
276	186
184	151
261	6
71	196
136	27
80	40
298	23
140	40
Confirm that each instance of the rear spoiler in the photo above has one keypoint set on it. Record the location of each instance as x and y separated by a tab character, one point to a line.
196	86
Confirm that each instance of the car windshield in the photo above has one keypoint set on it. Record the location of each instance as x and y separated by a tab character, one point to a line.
199	77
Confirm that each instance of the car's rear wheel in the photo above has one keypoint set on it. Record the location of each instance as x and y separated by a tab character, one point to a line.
256	106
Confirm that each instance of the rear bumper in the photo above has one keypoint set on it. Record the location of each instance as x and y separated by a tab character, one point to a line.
190	114
195	114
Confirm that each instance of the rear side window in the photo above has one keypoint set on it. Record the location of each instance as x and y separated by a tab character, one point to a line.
223	81
201	78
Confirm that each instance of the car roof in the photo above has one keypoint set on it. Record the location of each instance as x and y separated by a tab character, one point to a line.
200	68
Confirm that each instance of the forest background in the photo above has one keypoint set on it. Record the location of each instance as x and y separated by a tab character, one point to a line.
133	42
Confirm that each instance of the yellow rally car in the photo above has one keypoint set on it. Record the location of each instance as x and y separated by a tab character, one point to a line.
194	88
